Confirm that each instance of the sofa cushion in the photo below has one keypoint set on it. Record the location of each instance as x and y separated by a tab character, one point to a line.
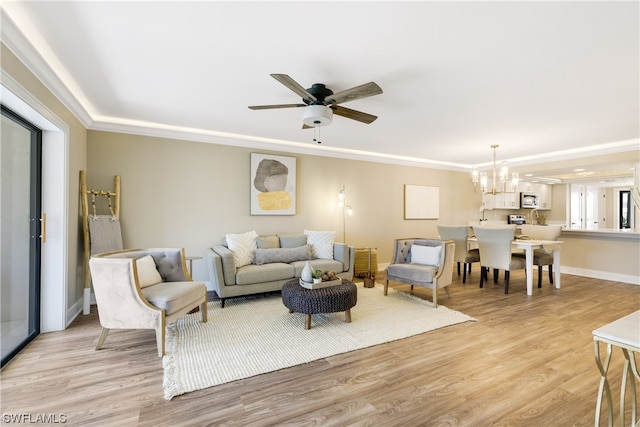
425	255
292	241
173	296
286	255
147	272
250	274
243	247
321	243
268	242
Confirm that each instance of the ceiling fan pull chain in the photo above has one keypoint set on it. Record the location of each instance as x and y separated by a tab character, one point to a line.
316	130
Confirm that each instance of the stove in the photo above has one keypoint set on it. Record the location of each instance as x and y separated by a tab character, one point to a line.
516	219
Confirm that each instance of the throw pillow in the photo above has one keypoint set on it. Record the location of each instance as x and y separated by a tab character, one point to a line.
321	243
293	241
268	242
426	255
147	272
286	255
243	246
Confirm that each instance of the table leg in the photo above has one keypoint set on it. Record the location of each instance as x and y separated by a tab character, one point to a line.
529	269
307	322
629	365
604	383
556	267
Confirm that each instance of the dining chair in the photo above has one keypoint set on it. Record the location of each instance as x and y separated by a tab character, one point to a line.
541	256
459	234
494	244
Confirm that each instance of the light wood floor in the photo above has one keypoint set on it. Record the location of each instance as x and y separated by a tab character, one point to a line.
527	361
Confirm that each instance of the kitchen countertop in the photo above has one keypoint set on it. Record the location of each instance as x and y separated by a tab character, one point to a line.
625	233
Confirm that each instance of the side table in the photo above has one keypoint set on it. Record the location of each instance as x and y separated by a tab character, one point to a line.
623	333
366	259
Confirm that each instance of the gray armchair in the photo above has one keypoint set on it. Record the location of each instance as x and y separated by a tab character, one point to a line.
134	291
427	263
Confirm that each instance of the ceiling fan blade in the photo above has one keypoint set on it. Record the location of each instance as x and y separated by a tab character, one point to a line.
353	114
362	91
306	126
267	107
294	86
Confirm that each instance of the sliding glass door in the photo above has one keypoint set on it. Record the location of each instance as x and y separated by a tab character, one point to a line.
20	232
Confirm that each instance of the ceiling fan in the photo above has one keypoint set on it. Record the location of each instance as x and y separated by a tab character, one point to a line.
320	103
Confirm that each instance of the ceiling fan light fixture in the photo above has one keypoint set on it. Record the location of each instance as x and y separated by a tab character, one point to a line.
317	115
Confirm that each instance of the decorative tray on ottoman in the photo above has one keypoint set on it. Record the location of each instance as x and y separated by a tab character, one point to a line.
326	284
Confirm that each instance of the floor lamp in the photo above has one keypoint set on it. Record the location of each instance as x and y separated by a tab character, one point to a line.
346	211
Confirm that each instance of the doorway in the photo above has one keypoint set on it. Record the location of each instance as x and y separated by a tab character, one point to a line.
20	231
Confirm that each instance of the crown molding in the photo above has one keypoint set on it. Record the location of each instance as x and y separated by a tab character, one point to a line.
15	40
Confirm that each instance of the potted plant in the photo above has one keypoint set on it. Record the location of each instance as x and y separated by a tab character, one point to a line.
317	275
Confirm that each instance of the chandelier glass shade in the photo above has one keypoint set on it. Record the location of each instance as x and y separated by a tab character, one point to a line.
500	182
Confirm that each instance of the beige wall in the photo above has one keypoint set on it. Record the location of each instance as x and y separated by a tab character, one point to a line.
613	258
190	194
77	155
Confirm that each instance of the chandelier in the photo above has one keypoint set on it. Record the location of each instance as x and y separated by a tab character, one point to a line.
500	180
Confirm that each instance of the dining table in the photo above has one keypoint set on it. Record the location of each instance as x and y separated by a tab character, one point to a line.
528	245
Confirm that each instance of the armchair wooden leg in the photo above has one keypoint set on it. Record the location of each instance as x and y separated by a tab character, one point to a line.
203	309
464	274
160	340
482	276
551	274
459	268
103	336
386	286
221	302
435	297
496	272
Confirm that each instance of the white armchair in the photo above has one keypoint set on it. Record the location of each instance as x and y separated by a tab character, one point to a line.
144	289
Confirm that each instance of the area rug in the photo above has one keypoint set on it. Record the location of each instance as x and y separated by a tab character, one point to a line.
256	335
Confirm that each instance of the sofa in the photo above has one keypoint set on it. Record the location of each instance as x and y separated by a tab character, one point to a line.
256	264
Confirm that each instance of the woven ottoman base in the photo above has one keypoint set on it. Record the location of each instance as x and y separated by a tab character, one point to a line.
332	299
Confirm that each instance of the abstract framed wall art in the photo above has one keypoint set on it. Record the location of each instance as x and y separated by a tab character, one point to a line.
273	185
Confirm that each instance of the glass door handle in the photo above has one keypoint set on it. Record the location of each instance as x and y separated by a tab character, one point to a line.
43	228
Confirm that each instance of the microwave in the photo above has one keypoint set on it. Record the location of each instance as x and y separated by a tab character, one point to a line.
528	201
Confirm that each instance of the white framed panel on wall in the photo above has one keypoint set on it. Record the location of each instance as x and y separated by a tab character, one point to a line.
421	202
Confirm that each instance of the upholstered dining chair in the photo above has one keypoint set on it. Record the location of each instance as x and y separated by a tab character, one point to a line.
144	289
459	235
542	256
494	244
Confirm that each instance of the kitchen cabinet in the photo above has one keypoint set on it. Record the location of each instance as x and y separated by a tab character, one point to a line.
546	196
501	201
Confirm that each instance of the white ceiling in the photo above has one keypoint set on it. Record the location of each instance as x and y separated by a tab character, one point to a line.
543	80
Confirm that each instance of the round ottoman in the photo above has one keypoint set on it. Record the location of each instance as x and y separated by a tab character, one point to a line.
331	299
